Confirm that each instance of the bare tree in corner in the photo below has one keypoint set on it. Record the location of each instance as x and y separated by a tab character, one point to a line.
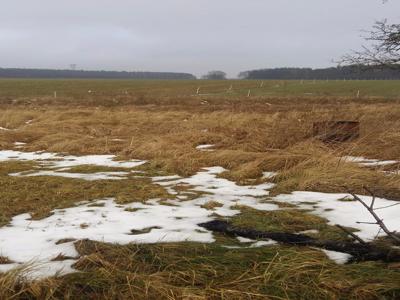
384	49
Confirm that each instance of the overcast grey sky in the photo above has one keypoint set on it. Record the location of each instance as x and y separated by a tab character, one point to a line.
184	35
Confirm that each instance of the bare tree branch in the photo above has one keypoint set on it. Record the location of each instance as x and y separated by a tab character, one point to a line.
384	50
371	210
352	234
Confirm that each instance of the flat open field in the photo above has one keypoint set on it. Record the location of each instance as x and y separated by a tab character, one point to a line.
127	170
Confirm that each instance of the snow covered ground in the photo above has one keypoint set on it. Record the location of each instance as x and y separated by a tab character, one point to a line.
369	162
338	209
59	164
206	147
26	241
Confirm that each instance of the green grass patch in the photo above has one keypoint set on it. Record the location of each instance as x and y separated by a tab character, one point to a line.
290	221
40	195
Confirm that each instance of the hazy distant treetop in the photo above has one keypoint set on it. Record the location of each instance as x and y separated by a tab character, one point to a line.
215	75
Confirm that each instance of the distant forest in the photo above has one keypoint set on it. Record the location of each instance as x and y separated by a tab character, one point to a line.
347	72
47	73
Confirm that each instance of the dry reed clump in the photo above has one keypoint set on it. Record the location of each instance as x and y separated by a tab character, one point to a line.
326	172
246	143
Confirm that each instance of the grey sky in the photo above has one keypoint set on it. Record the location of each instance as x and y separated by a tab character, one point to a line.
184	35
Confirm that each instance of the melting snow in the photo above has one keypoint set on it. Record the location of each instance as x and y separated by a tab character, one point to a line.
346	213
19	145
221	190
263	244
84	176
269	175
244	240
61	163
175	220
369	162
338	257
311	231
206	147
27	241
53	160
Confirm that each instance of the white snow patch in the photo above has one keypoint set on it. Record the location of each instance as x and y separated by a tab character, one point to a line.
346	213
60	164
255	244
25	240
244	240
84	176
263	244
311	231
19	144
5	129
206	147
221	190
369	162
163	178
269	175
338	257
54	160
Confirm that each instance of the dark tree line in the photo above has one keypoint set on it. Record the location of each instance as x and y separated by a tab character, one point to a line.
47	73
353	72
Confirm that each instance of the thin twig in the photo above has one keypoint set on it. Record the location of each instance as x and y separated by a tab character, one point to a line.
379	221
383	207
351	234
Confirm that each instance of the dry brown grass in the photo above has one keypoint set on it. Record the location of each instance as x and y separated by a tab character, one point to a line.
192	271
251	136
247	142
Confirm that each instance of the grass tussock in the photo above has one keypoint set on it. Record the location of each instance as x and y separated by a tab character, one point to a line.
208	272
211	205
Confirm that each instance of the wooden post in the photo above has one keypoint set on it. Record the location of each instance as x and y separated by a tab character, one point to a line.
249	93
358	94
55	94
